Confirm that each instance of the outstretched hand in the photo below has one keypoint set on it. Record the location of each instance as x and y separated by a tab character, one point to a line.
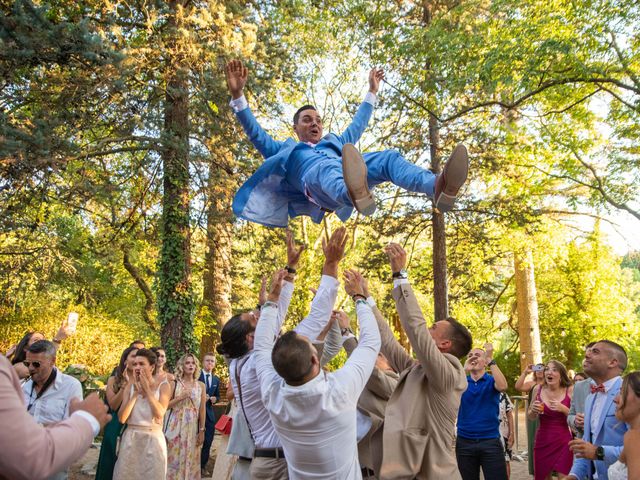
334	251
276	285
376	75
353	283
397	257
293	252
236	74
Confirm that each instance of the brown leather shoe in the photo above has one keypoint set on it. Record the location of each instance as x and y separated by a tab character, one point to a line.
354	171
452	178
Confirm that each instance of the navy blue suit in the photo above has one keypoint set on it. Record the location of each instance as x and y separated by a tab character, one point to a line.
210	422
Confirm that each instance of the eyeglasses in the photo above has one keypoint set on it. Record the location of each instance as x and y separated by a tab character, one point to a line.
35	364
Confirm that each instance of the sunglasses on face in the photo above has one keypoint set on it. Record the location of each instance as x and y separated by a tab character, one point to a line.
35	364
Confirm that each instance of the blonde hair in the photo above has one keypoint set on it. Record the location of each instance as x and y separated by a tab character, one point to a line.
179	371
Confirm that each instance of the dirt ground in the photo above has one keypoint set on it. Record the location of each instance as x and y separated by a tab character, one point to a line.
84	469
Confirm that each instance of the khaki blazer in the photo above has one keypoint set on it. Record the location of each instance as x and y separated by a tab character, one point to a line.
419	425
30	451
373	403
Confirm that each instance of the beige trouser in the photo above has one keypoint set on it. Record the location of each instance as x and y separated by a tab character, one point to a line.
264	468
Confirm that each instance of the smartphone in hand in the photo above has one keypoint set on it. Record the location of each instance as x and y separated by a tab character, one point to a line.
72	322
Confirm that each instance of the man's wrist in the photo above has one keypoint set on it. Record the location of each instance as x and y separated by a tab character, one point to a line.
236	95
492	363
270	303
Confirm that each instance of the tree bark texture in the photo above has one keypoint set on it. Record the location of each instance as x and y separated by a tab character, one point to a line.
527	309
440	285
175	299
217	273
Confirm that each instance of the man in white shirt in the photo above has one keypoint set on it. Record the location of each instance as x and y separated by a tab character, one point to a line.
314	412
49	392
602	441
237	338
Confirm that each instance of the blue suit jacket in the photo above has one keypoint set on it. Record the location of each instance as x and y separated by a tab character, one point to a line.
266	197
608	434
212	391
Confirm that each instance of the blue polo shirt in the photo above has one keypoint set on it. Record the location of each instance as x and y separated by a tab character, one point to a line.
478	417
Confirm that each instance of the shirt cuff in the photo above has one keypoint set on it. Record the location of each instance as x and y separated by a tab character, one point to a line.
329	282
239	104
371	98
400	281
95	425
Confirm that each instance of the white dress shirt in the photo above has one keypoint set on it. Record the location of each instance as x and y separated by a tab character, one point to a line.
598	404
317	421
262	431
53	405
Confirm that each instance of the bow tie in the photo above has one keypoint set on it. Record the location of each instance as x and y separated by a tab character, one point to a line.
597	388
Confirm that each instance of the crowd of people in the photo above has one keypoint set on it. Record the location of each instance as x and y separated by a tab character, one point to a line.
384	414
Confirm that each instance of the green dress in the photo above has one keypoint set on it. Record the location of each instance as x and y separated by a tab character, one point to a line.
532	426
108	457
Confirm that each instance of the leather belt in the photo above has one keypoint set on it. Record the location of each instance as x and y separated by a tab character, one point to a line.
268	452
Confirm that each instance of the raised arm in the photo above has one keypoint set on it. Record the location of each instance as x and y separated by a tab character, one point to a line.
236	74
265	336
395	353
441	372
500	380
325	298
353	376
361	119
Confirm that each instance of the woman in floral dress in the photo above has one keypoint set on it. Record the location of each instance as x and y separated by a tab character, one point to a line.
184	421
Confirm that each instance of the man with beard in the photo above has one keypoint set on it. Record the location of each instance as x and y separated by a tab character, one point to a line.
602	441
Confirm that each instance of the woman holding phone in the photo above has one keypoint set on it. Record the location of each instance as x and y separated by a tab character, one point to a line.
143	449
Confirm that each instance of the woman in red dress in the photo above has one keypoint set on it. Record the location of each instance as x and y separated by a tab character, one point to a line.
551	406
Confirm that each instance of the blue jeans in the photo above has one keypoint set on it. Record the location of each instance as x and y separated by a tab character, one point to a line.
325	183
486	453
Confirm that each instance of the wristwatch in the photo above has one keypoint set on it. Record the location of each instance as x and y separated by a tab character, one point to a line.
401	274
492	362
291	270
599	452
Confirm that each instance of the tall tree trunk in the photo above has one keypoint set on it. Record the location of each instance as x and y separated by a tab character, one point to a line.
175	299
527	308
440	286
217	273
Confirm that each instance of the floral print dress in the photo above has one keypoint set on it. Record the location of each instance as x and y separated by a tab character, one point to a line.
181	432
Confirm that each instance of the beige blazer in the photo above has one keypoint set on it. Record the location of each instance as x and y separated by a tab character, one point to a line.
30	451
419	425
373	402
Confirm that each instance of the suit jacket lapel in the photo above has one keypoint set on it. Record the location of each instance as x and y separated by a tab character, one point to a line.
613	391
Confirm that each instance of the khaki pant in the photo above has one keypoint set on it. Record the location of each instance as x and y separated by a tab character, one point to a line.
263	468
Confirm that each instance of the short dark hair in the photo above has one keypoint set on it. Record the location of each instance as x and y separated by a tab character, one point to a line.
589	345
43	346
148	354
291	357
619	353
20	354
137	341
296	116
460	337
233	341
